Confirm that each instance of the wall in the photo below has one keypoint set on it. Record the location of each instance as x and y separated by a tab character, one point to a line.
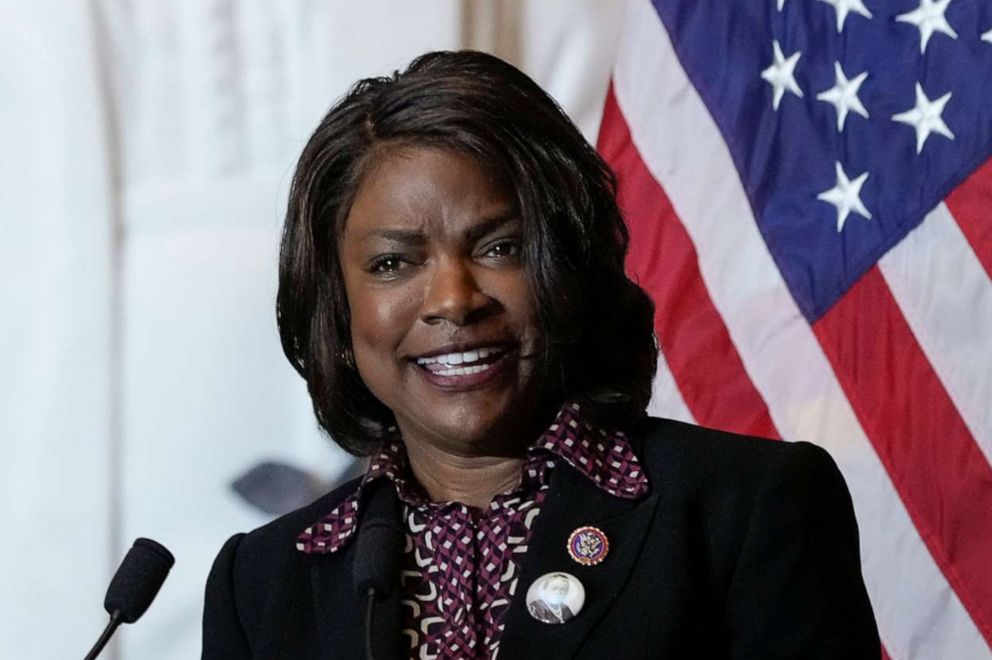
148	147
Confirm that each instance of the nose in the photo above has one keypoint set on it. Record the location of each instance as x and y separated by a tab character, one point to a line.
454	295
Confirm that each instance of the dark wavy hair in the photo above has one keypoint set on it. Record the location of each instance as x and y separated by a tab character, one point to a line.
597	324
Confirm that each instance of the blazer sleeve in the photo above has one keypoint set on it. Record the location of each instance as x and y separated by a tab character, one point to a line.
797	590
223	635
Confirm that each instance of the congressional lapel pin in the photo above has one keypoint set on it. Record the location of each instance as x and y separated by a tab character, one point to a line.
588	545
555	597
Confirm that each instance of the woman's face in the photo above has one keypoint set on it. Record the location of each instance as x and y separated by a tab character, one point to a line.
556	591
442	317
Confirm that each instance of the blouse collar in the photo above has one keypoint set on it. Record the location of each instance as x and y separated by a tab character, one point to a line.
605	457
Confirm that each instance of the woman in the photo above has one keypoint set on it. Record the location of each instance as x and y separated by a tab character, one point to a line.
452	290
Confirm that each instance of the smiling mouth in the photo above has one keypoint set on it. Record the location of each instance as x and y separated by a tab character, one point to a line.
463	363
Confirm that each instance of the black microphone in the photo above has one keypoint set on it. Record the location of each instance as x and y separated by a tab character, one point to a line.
379	544
134	586
377	553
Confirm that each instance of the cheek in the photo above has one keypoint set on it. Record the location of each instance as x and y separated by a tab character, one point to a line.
380	319
374	336
369	317
519	301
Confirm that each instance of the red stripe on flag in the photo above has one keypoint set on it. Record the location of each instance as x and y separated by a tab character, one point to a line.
662	259
935	465
971	205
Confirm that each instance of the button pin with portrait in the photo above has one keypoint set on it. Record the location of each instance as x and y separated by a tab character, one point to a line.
555	597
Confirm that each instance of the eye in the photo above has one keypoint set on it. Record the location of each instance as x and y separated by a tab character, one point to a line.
506	248
387	264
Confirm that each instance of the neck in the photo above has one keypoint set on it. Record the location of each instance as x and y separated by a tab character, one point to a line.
471	480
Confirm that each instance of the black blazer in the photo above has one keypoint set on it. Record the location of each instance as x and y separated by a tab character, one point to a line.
744	548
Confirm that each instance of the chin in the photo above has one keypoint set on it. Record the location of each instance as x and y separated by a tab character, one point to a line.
473	429
479	429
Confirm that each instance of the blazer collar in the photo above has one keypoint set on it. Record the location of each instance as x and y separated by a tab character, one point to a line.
605	457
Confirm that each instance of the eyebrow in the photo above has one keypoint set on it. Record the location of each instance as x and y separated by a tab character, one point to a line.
407	236
416	237
490	225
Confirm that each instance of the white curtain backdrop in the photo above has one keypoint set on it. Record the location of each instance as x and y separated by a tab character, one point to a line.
147	148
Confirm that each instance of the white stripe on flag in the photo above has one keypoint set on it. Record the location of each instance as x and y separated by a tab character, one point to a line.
919	614
666	399
946	298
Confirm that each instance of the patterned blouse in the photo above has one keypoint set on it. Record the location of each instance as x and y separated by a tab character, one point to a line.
460	564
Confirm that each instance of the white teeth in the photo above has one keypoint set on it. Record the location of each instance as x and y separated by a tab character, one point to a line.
454	359
464	371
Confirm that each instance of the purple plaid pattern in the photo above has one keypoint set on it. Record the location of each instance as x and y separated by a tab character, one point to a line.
460	564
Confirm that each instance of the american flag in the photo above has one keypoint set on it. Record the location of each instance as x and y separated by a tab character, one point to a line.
809	193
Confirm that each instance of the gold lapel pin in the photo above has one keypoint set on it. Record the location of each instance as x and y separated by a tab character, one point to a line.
588	545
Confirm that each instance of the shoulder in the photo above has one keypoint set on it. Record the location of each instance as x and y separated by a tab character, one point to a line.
257	578
727	479
278	537
269	552
774	526
689	453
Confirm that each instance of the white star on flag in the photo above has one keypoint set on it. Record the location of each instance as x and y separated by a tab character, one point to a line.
844	7
781	75
781	3
844	95
987	36
925	117
929	18
846	197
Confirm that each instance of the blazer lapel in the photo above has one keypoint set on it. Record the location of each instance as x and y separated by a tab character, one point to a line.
337	607
574	501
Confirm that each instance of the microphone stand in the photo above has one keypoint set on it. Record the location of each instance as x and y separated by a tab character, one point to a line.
115	620
370	606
